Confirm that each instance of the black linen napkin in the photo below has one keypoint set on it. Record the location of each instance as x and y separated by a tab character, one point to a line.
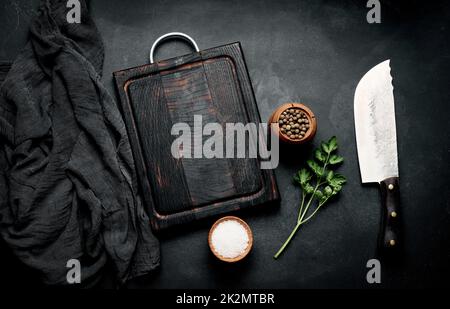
68	186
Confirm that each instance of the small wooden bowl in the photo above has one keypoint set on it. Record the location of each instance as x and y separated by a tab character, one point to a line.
285	138
250	239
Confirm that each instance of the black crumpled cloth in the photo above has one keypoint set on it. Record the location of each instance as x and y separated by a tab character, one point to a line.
68	186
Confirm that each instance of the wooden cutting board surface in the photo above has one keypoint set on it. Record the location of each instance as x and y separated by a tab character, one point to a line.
213	83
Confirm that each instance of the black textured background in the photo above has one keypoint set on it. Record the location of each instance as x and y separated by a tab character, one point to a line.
313	52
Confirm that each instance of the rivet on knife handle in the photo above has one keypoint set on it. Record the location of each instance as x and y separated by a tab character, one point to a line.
389	236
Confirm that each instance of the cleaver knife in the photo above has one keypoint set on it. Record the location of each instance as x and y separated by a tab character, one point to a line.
376	141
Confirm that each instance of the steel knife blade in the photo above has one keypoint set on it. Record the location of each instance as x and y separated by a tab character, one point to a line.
376	140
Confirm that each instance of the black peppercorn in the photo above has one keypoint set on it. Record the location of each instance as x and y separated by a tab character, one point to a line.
294	123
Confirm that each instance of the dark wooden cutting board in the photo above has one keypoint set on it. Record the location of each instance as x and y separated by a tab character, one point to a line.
213	83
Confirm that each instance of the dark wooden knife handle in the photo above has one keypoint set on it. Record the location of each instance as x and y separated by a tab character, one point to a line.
390	223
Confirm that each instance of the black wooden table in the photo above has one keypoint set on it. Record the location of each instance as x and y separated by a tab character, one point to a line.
313	52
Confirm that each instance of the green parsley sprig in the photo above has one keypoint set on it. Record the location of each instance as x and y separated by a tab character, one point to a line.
319	183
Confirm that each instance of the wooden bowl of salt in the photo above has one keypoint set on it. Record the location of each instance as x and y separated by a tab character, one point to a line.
230	239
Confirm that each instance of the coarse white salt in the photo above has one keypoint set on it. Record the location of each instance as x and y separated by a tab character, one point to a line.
230	239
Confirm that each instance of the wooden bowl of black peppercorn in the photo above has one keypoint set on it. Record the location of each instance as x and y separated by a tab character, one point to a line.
293	123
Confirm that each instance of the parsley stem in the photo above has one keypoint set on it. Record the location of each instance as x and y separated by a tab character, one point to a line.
314	212
301	206
309	203
287	241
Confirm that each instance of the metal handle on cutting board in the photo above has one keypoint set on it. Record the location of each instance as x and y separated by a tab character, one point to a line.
169	36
